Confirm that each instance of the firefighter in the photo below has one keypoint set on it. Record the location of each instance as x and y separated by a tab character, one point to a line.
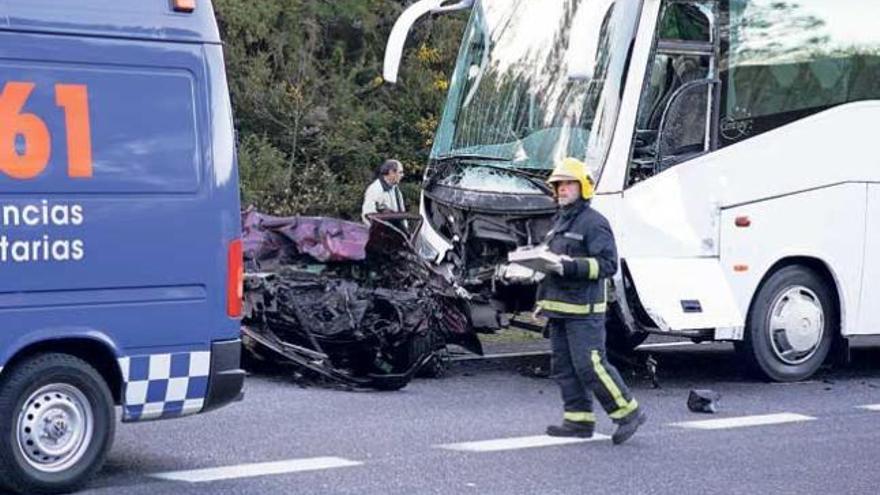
573	295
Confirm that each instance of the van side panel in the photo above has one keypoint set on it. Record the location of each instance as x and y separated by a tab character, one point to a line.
135	248
145	19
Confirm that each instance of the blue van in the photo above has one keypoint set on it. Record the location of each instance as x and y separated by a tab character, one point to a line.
120	251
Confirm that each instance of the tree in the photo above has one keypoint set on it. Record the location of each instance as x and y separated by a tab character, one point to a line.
313	116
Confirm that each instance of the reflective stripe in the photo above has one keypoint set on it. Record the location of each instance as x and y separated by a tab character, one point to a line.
609	384
577	309
579	417
624	411
594	268
563	307
572	309
600	307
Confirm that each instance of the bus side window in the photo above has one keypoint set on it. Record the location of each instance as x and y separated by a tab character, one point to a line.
784	61
684	53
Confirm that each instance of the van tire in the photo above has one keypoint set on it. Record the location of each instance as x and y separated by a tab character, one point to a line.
73	387
793	294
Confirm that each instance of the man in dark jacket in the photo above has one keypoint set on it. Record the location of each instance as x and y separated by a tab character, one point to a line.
574	298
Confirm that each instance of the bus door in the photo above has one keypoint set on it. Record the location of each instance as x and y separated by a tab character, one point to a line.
670	204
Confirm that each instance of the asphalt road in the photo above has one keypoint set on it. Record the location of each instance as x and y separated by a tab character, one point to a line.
819	440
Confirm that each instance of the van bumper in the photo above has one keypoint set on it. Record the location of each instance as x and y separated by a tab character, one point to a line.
226	379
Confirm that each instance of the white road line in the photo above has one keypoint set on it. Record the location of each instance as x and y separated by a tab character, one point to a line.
517	443
742	421
257	469
870	407
664	344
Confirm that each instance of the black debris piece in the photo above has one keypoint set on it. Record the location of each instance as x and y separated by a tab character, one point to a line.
703	401
640	364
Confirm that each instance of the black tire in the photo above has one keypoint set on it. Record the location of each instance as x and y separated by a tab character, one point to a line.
26	378
758	348
618	338
433	344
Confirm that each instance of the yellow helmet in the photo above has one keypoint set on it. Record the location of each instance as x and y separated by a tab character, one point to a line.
576	170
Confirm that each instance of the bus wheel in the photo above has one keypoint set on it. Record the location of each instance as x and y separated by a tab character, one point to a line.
790	326
56	423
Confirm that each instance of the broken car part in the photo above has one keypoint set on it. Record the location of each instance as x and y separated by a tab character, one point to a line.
350	303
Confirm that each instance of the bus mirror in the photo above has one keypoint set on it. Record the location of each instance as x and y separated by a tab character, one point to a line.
583	41
400	31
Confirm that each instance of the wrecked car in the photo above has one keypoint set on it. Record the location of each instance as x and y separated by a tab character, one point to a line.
352	304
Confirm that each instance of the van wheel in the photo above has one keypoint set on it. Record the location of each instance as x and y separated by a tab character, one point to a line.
56	424
790	326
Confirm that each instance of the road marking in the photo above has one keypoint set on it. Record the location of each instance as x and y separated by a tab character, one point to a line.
870	407
743	421
518	443
659	345
257	469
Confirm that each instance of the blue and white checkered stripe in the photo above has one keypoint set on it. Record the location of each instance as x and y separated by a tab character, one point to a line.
164	385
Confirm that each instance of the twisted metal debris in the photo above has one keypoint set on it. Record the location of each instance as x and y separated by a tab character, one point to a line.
354	305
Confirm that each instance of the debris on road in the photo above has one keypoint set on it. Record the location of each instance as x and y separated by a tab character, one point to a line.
346	302
643	364
703	401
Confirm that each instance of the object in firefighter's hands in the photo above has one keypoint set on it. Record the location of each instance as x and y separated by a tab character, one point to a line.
538	258
703	401
516	274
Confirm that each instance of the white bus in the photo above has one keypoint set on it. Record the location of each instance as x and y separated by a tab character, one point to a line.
733	146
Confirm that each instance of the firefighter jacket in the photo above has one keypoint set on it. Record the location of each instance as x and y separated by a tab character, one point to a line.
584	235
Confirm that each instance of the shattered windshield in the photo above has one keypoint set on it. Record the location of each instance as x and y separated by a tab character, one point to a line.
486	179
510	96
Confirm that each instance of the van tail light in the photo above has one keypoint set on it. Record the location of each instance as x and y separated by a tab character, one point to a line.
234	279
184	5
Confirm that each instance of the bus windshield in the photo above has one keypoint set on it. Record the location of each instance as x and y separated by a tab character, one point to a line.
511	100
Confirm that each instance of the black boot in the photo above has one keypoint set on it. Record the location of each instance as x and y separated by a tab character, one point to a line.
571	429
628	427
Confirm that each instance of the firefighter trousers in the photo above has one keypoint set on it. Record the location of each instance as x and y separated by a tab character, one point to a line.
581	369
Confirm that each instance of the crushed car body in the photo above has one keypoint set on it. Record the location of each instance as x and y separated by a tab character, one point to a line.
347	302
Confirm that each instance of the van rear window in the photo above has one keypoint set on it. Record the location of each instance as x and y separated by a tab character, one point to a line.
97	130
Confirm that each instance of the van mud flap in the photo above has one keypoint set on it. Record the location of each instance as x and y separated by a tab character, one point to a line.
682	294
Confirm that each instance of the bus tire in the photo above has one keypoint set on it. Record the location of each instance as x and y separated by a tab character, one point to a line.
56	423
790	326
